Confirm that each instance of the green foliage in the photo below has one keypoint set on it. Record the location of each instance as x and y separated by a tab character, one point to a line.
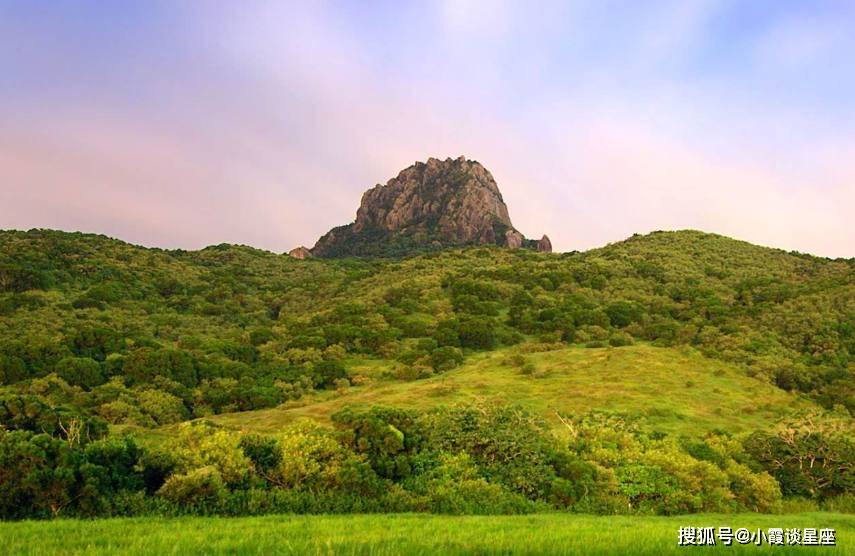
93	329
12	369
264	452
200	445
811	457
202	486
37	474
326	373
389	438
445	358
80	371
654	474
227	312
146	364
510	444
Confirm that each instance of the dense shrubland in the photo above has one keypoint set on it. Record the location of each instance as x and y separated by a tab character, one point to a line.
96	333
462	459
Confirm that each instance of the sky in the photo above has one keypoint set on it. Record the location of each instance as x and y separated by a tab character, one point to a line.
186	124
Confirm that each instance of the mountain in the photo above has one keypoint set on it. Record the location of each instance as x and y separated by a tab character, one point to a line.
430	205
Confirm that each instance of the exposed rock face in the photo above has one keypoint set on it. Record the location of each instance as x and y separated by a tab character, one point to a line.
300	253
428	205
514	239
544	245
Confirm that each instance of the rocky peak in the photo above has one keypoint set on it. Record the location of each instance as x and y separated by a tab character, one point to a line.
429	204
457	197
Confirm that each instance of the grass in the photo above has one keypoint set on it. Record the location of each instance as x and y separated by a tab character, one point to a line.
405	534
705	394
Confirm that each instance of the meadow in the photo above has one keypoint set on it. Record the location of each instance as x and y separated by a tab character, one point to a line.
707	394
402	534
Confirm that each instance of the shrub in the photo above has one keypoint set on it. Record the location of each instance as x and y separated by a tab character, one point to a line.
619	339
811	456
311	458
327	372
163	407
511	446
37	474
200	444
198	487
446	358
454	487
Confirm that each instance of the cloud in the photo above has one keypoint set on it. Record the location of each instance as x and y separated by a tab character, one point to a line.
638	181
265	125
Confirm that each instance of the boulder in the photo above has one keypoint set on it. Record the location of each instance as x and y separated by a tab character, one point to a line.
300	253
544	245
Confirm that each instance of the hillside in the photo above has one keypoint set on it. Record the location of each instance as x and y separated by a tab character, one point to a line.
672	390
228	313
691	354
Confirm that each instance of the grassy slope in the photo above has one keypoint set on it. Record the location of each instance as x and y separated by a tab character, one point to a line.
676	390
405	534
225	291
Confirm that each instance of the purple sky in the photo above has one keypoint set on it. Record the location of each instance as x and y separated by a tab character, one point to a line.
185	124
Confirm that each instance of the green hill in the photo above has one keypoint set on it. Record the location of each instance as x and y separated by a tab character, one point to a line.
604	381
218	329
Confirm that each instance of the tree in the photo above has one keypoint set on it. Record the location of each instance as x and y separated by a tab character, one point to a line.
80	371
811	456
12	369
477	332
37	473
145	364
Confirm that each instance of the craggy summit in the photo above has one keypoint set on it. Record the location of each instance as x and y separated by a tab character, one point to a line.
430	205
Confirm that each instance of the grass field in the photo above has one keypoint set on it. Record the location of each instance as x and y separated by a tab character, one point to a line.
406	534
709	394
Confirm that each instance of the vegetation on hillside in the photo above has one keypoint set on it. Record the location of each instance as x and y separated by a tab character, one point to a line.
97	335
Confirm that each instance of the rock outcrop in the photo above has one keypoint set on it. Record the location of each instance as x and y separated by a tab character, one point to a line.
429	205
300	253
544	245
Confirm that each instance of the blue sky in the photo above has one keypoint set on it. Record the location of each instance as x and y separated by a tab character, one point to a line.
183	124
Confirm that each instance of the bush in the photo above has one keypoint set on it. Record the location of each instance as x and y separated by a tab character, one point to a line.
38	475
327	372
199	487
619	339
809	457
446	358
264	452
454	487
162	407
311	458
477	332
200	444
509	444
